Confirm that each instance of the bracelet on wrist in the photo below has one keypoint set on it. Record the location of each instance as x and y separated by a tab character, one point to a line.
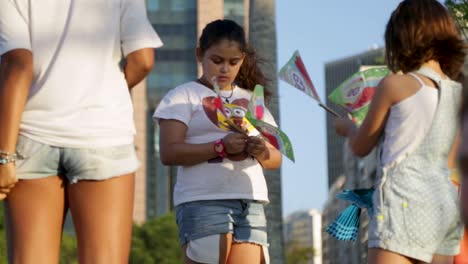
7	157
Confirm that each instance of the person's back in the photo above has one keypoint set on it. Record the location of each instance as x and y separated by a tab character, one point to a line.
410	116
64	87
79	96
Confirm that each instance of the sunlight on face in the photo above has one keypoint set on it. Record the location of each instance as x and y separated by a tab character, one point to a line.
222	60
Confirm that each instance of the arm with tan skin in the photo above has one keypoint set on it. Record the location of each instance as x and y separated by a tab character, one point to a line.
15	80
452	158
363	139
138	65
174	150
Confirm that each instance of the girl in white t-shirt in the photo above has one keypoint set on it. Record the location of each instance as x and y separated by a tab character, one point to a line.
220	189
66	115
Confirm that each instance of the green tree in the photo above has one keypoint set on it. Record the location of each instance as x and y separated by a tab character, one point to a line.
3	245
68	250
459	10
156	241
297	254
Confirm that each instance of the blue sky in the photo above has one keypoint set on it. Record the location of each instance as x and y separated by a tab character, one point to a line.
322	31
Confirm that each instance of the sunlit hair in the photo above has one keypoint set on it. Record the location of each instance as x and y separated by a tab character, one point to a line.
423	30
250	73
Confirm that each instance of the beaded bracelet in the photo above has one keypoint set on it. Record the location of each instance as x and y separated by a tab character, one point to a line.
7	157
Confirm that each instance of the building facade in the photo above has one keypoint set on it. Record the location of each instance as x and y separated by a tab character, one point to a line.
304	230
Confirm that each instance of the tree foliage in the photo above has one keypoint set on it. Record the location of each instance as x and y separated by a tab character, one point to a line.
3	245
298	254
156	241
459	10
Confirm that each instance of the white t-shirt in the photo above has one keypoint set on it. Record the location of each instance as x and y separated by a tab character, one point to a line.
79	96
192	104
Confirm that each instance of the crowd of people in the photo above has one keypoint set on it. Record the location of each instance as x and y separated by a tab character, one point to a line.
66	139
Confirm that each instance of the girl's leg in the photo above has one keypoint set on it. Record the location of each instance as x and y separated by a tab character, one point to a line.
381	256
440	259
34	214
245	253
102	213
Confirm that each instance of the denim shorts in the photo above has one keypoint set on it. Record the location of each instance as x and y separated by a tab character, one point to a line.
245	219
36	160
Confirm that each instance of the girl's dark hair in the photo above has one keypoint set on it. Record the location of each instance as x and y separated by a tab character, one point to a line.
423	30
250	73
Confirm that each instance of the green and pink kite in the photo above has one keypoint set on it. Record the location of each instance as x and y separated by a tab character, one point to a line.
353	95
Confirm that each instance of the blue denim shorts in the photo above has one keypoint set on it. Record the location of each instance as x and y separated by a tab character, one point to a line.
245	219
36	160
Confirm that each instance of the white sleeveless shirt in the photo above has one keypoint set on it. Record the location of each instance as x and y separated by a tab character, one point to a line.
408	122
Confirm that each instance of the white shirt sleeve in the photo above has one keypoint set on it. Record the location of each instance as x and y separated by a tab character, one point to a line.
136	32
14	29
175	105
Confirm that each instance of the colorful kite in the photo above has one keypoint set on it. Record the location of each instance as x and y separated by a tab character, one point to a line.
295	74
355	93
253	121
272	134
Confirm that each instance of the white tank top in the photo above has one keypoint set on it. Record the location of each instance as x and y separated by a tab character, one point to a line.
408	122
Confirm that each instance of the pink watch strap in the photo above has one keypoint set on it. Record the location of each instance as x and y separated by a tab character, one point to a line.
219	148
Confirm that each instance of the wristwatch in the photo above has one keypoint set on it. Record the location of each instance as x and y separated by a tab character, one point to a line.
219	148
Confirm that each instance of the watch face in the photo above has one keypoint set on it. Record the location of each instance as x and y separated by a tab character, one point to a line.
219	147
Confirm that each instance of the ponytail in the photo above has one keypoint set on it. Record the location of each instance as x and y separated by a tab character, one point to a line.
250	73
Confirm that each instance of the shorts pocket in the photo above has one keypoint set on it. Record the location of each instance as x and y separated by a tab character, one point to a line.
26	149
423	224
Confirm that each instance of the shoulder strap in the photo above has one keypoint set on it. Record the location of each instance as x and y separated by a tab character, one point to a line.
417	79
431	74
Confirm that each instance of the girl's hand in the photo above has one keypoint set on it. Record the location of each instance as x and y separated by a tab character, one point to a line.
7	178
343	126
235	143
255	146
238	157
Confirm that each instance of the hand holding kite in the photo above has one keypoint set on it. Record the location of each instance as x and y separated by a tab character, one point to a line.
254	121
356	92
272	134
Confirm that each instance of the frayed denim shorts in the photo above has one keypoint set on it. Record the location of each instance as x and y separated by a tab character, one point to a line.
36	160
245	219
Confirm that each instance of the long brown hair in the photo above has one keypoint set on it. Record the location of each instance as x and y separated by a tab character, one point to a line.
250	73
423	30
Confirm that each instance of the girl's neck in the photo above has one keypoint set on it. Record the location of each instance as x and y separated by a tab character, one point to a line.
202	80
435	66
